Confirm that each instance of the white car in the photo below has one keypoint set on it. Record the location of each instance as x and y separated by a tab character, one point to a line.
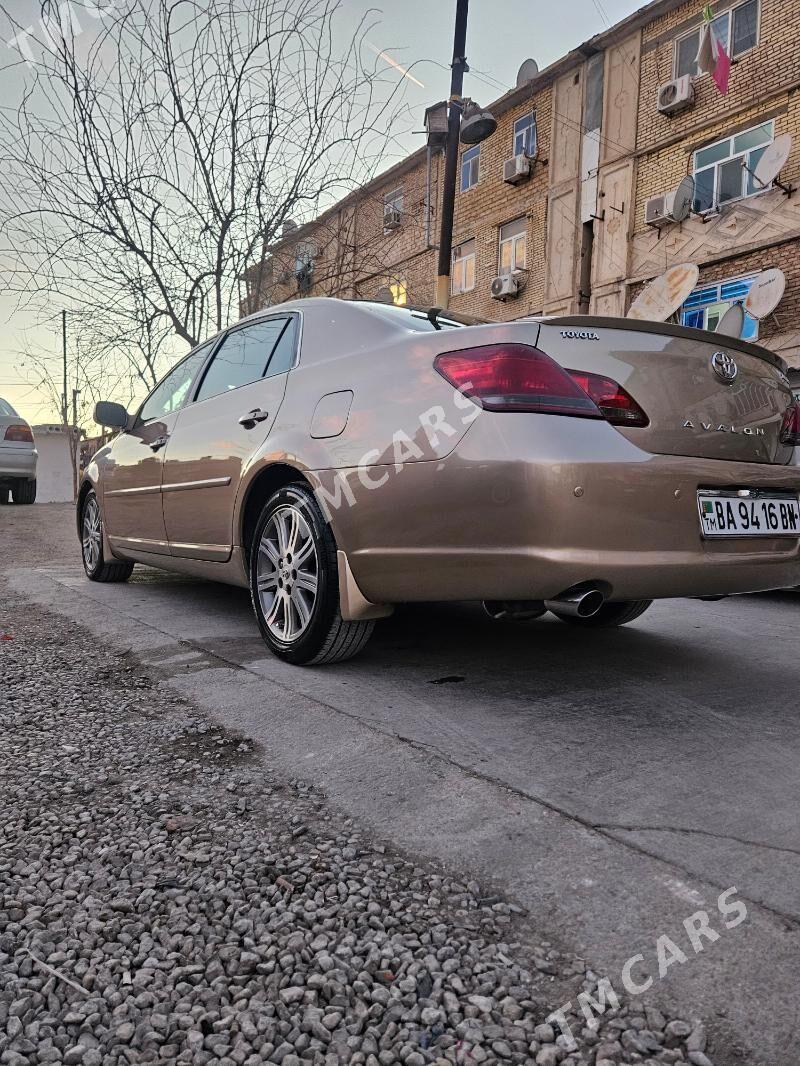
17	457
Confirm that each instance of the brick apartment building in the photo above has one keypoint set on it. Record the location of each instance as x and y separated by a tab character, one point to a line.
574	232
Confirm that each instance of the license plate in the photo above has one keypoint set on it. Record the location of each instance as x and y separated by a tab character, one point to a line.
732	515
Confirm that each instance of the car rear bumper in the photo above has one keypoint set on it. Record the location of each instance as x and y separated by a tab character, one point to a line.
17	462
539	575
508	517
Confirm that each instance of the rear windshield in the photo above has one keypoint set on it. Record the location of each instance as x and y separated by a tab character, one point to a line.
7	410
415	318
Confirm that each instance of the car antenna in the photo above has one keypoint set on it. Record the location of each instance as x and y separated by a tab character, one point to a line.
433	316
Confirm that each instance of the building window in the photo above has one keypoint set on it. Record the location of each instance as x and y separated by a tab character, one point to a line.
736	30
399	291
512	246
708	303
392	210
525	135
721	169
464	267
304	255
470	165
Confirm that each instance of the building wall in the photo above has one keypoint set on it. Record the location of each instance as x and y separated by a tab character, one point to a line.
768	68
54	477
603	151
781	330
353	255
483	209
753	233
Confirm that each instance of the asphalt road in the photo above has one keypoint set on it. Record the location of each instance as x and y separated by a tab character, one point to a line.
612	782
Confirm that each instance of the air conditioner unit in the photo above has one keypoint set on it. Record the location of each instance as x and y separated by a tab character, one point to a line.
660	210
655	211
392	217
676	95
516	169
504	286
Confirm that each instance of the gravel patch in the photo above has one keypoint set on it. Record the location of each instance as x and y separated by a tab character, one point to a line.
168	897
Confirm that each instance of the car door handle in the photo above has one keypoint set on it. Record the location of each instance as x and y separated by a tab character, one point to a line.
159	442
249	420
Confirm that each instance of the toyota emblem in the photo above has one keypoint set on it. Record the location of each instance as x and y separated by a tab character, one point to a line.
724	366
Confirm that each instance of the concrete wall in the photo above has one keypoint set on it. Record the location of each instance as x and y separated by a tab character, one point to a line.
53	469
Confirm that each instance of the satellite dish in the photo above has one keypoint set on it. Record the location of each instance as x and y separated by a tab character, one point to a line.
766	293
773	161
527	72
683	198
288	227
384	295
659	300
730	325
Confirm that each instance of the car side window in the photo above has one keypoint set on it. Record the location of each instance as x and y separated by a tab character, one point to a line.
170	394
243	357
283	355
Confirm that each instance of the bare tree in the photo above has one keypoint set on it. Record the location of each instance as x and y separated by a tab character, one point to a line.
159	146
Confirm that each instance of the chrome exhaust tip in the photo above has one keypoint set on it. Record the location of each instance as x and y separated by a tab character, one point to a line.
578	602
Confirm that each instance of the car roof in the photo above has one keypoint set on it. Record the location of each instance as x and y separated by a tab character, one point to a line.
326	304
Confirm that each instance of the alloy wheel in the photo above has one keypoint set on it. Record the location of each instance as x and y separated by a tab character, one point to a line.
91	539
287	574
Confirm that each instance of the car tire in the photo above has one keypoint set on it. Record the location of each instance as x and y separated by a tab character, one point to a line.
24	491
94	561
609	615
294	583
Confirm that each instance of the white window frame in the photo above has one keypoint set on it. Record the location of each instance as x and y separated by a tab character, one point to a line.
462	266
728	15
530	124
304	255
746	179
393	199
515	240
472	166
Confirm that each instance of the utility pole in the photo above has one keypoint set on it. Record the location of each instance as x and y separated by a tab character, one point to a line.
75	444
454	113
64	408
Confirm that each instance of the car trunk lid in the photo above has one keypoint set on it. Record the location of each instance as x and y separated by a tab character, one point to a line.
678	376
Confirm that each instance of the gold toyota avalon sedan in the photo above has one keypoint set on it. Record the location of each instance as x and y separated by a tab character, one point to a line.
341	457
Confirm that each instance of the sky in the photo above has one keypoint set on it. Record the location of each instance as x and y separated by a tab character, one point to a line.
416	34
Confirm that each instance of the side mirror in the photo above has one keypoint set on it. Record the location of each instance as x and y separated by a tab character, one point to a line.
112	415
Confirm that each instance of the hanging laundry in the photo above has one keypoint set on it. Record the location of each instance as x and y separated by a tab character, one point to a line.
712	56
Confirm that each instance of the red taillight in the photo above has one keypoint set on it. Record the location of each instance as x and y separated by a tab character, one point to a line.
19	433
790	429
616	405
515	377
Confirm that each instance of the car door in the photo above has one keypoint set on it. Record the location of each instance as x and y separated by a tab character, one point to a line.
132	508
228	418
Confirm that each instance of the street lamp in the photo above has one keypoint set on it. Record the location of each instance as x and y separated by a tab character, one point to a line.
477	126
